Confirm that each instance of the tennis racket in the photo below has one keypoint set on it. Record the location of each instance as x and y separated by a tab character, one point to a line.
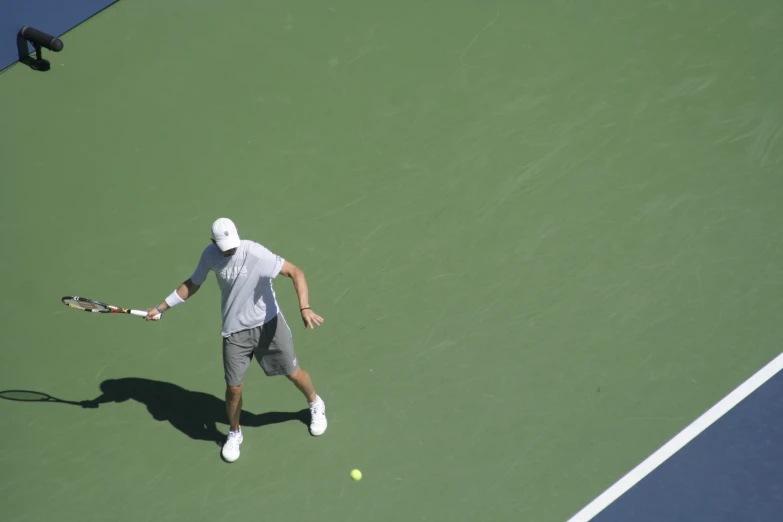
91	305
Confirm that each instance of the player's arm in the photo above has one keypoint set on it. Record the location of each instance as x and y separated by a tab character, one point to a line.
296	274
183	292
186	290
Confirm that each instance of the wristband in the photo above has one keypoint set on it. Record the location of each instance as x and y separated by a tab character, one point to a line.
174	299
305	308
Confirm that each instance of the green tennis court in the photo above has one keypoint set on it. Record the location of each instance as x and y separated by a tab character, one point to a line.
544	236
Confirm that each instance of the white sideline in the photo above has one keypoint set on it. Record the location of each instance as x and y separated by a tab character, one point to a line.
680	440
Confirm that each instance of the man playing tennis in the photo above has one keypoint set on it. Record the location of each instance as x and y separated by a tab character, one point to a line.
253	324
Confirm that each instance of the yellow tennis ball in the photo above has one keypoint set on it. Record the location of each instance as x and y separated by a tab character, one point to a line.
356	474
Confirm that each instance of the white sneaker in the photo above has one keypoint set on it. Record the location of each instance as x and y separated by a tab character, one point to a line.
317	417
231	447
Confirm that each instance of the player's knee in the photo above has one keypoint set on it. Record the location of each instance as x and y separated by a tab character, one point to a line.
233	391
296	374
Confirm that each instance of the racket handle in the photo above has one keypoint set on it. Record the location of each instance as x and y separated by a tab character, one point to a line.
142	313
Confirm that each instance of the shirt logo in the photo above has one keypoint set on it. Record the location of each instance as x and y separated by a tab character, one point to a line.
230	274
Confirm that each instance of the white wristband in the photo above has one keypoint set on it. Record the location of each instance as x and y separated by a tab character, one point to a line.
174	299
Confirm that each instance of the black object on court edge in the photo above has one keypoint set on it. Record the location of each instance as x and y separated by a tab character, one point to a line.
39	39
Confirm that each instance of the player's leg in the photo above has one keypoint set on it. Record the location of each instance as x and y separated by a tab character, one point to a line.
304	384
234	406
237	354
277	356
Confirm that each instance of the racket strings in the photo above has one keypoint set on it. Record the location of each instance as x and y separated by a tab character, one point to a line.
84	305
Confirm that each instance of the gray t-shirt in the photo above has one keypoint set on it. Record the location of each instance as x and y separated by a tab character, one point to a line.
245	280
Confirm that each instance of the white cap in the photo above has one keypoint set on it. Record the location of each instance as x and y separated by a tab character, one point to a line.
225	234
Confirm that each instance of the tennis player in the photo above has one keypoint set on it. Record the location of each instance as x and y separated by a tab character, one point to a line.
253	324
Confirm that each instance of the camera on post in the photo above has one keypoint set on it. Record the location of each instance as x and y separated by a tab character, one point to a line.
39	39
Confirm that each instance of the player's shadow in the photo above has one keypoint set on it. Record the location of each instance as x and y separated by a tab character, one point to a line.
196	414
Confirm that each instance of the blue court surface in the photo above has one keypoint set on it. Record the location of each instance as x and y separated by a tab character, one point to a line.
727	466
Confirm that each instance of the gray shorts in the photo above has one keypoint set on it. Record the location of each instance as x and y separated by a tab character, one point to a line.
272	345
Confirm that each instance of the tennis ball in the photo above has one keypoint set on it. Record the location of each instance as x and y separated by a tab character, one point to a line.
356	474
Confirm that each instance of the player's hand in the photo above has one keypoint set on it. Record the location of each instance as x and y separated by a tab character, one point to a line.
151	313
311	319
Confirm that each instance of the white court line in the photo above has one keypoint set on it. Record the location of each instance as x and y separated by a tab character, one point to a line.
680	440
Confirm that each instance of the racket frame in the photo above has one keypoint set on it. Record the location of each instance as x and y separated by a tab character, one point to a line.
107	308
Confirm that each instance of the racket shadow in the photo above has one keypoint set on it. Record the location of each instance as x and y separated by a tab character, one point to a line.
195	414
34	396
